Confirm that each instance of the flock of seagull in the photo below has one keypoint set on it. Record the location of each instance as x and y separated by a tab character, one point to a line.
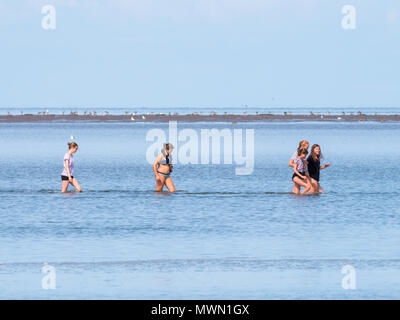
135	116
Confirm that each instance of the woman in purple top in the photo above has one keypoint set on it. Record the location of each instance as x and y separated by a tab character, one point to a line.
300	176
302	144
67	174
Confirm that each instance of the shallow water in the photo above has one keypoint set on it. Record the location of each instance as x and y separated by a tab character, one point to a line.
220	236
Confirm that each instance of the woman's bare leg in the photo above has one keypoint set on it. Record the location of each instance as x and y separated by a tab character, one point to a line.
64	186
296	188
169	184
303	183
76	185
314	185
306	189
160	182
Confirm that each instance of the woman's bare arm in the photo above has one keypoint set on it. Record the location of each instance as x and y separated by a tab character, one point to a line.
155	164
325	166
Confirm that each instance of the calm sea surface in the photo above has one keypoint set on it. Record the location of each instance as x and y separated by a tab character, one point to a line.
220	236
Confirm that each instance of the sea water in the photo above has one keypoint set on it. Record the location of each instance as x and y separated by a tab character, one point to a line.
221	235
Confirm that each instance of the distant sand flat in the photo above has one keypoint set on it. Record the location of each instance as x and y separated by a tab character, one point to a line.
198	118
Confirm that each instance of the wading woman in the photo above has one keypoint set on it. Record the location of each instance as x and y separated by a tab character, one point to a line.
314	167
292	163
162	168
300	177
67	174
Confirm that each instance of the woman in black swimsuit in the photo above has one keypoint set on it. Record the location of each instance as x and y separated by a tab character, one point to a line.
314	167
162	168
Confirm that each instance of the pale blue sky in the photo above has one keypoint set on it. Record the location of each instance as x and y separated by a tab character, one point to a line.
200	53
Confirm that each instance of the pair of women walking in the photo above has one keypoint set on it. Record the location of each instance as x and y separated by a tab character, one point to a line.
162	168
306	172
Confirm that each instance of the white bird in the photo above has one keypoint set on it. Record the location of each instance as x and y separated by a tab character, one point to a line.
132	118
339	118
72	137
143	117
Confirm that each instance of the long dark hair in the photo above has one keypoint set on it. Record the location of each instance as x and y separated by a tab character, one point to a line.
316	157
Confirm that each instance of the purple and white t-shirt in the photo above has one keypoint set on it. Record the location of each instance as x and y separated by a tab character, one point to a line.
300	165
70	159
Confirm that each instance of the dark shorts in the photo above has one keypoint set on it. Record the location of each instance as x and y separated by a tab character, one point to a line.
296	175
65	178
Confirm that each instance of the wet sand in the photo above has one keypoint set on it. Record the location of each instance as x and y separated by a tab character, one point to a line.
198	118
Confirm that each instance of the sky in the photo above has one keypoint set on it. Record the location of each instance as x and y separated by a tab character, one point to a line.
157	53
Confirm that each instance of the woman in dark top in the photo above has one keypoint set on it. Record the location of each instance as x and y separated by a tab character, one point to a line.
162	168
314	166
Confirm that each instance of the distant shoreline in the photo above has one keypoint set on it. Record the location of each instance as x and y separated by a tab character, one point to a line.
29	118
